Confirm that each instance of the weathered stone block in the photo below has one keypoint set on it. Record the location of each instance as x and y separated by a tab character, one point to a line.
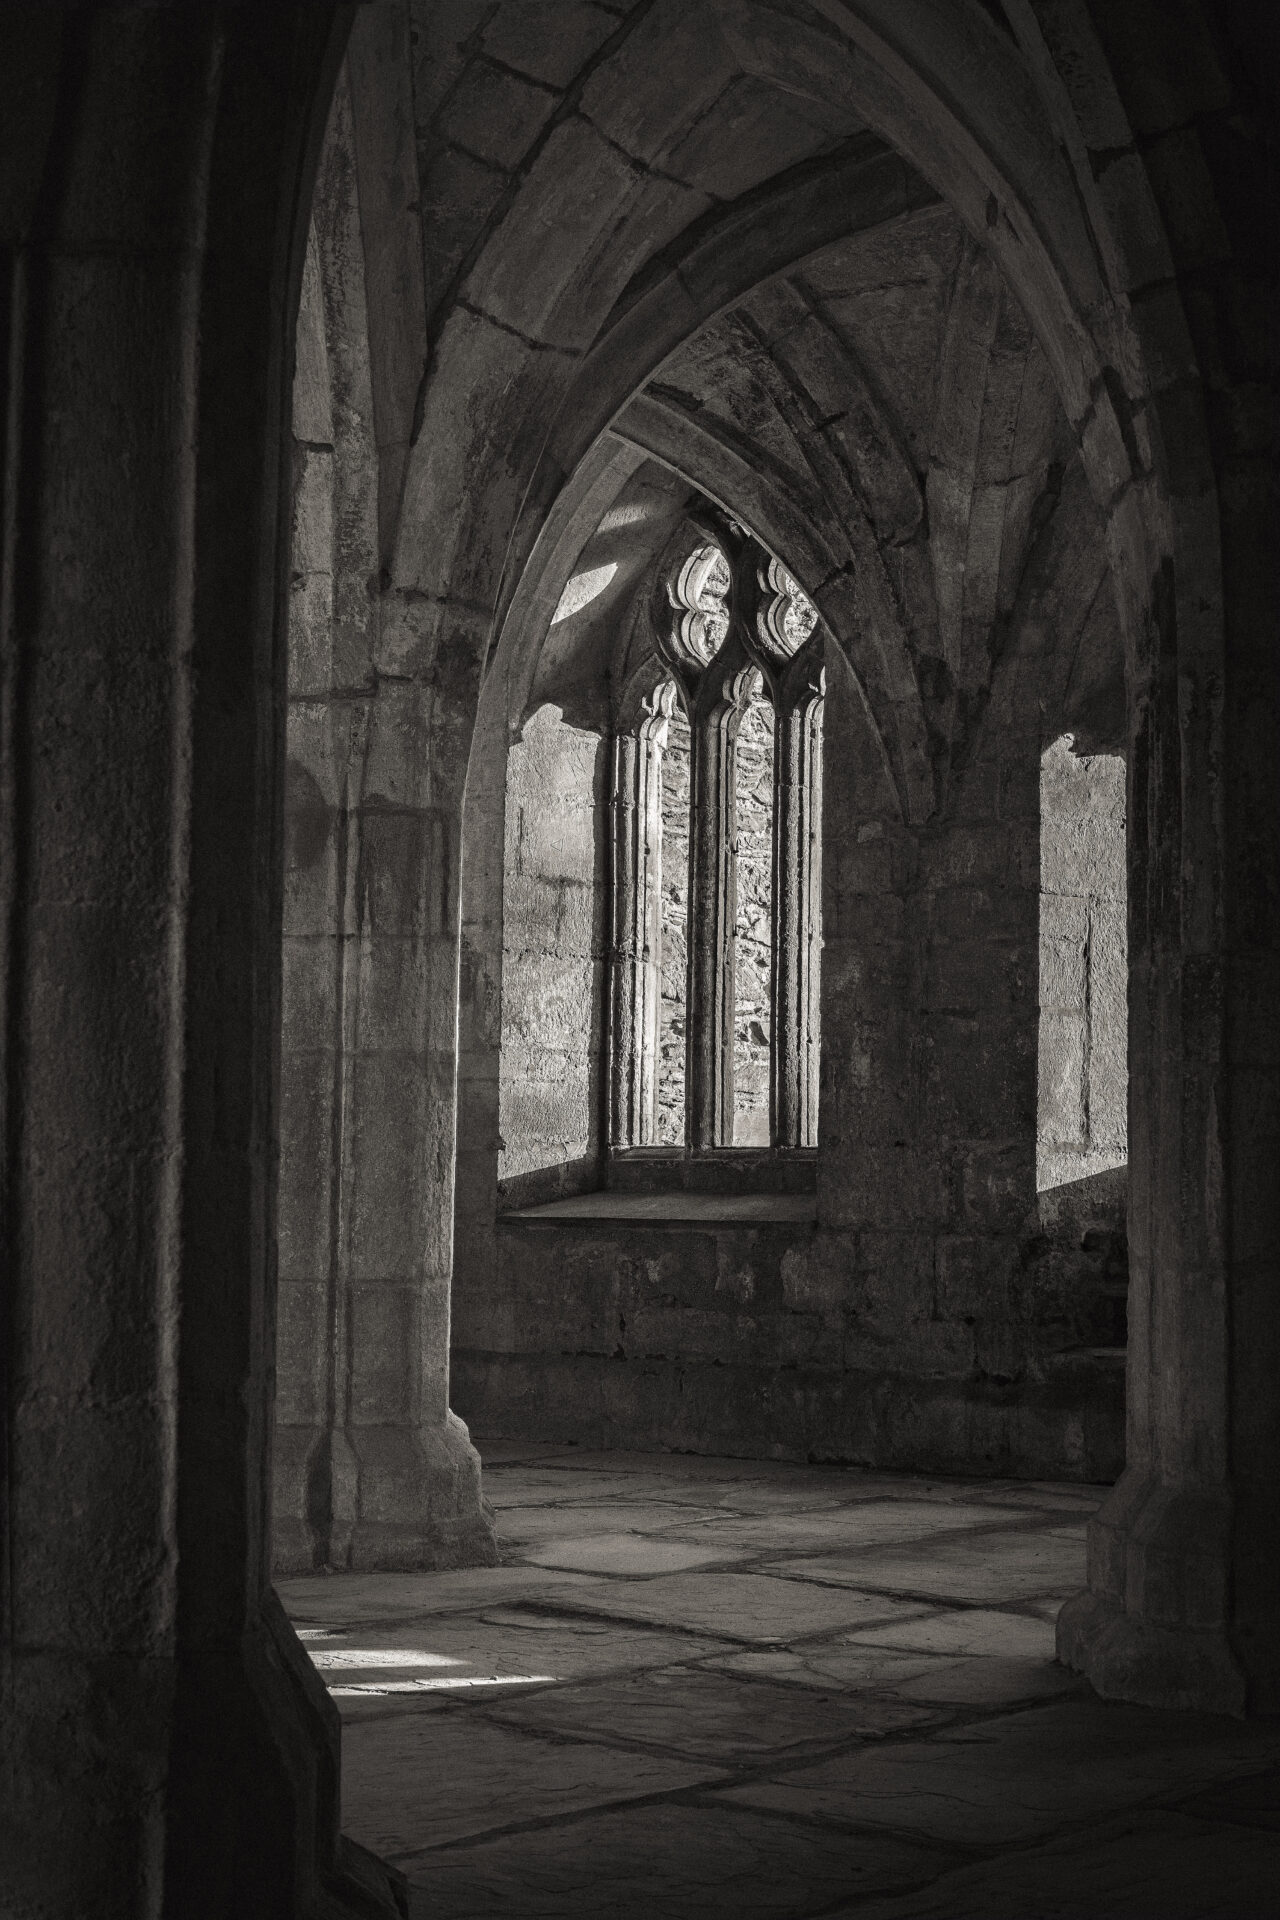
398	875
309	992
551	1111
1064	941
383	1323
559	916
522	283
632	100
550	40
393	985
312	532
894	1282
973	1275
552	1001
306	1153
977	1074
495	115
998	1184
754	132
818	1277
310	633
971	975
388	1134
302	1351
312	830
1062	1079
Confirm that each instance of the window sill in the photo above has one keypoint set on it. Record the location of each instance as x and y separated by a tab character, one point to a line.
678	1209
719	1172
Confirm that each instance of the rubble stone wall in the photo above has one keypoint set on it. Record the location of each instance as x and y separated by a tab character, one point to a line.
553	950
1082	1128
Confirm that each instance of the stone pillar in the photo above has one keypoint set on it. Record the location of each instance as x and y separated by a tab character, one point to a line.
636	971
1183	1607
716	714
169	1748
929	969
370	1467
797	897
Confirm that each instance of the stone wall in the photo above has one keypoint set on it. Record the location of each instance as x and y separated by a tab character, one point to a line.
771	1340
553	953
1083	1121
928	1316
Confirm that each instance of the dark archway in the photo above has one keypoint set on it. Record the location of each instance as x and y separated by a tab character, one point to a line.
1111	160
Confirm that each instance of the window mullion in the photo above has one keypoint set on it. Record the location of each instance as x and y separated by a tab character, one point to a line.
797	816
636	985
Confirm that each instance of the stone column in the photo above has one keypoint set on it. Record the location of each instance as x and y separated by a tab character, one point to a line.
929	970
636	971
370	1467
797	905
169	1748
1183	1607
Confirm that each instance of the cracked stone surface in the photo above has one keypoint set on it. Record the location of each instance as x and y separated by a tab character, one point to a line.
712	1716
665	1860
975	1630
864	1525
1151	1866
1016	1777
627	1553
848	1706
975	1567
417	1780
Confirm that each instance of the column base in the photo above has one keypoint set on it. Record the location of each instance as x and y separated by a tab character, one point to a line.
420	1507
1126	1659
380	1500
1152	1627
252	1807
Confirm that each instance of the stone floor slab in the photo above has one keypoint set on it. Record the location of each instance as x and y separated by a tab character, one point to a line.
829	1664
837	1528
1017	1778
1151	1866
664	1862
992	1681
741	1705
512	1648
742	1606
582	1519
728	1720
1041	1499
1253	1801
412	1781
991	1566
338	1599
541	1486
634	1554
965	1630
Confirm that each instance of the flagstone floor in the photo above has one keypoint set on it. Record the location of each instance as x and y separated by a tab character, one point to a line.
739	1689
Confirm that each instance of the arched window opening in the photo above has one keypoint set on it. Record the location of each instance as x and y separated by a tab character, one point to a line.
1082	1131
716	866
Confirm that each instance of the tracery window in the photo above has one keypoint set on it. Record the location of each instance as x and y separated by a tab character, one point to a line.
717	811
